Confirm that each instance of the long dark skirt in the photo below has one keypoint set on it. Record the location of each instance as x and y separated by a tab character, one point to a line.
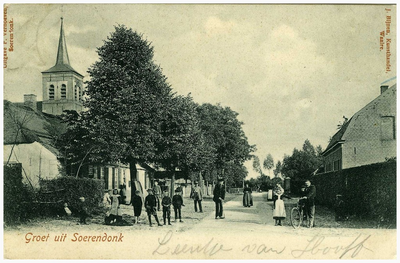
137	210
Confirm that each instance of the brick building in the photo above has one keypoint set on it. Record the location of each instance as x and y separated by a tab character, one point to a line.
368	137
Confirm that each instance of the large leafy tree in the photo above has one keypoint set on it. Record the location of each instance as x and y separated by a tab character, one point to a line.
127	97
180	145
268	162
237	174
301	164
224	136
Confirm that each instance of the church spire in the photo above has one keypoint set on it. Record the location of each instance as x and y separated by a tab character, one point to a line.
62	62
62	53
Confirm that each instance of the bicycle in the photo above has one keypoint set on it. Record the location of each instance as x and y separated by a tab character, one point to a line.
297	214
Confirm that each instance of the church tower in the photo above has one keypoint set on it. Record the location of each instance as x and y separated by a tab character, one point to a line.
62	85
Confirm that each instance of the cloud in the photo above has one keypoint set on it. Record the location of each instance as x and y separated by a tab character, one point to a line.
215	26
206	91
304	103
293	60
289	78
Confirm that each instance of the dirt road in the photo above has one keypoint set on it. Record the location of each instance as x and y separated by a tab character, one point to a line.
245	233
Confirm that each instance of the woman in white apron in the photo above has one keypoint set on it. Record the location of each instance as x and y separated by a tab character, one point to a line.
279	206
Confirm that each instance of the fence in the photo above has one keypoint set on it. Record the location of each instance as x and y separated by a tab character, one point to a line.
368	191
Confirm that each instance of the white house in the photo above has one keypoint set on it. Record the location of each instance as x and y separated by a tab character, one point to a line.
27	141
37	161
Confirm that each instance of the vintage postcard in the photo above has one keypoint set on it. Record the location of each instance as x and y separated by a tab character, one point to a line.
199	131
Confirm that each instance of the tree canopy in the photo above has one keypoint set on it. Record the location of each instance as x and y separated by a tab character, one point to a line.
257	165
224	134
302	163
127	97
133	116
268	162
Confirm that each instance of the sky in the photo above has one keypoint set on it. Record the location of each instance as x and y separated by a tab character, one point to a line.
291	71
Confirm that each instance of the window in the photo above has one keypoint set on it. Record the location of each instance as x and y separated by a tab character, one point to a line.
101	175
76	92
106	178
51	92
90	171
328	167
387	128
337	165
80	94
63	91
114	178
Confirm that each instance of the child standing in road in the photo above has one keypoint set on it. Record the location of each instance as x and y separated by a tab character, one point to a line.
166	205
151	206
177	202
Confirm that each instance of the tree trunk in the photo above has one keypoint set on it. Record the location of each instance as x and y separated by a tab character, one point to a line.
201	184
133	172
171	192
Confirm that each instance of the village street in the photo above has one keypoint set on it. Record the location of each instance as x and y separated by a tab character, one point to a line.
245	233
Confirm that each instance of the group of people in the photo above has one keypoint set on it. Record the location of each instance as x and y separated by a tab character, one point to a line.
153	202
308	193
218	198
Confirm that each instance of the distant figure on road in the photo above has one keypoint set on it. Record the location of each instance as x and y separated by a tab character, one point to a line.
247	197
157	193
219	196
310	193
197	196
279	206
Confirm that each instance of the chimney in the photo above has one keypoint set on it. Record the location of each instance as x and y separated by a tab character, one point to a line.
30	101
384	88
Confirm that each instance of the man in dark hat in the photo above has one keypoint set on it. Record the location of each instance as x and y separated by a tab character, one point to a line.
219	196
310	193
